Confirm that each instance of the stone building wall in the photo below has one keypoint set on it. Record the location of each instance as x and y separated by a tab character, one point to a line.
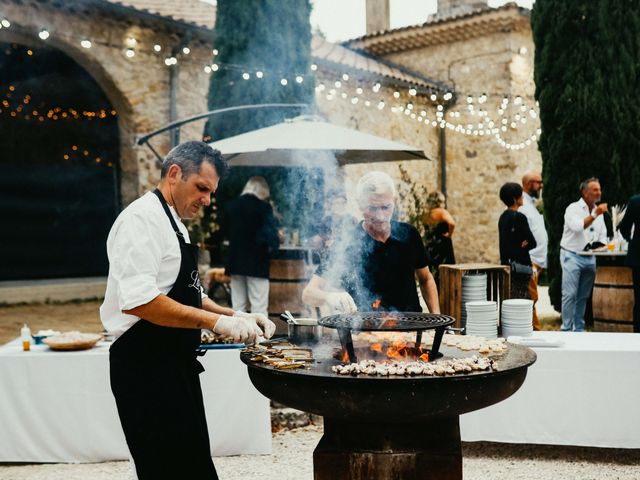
387	124
478	166
137	87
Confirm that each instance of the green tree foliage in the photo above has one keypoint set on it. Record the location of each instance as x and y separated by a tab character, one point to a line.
587	75
273	37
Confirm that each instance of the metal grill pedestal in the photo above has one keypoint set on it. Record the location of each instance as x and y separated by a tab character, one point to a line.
380	451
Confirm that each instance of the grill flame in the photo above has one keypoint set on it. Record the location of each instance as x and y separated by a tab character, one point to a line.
399	350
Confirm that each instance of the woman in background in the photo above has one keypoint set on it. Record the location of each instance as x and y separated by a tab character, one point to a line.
516	240
438	227
249	225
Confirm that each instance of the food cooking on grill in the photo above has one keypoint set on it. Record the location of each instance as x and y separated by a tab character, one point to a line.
450	366
281	355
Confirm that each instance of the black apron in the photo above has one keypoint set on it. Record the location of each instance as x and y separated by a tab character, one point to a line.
154	379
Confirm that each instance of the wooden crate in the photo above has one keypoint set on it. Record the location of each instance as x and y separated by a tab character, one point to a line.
450	288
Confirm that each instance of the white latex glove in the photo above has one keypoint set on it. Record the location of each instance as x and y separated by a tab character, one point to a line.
240	329
341	302
267	326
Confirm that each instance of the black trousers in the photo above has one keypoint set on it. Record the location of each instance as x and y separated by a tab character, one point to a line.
162	414
636	297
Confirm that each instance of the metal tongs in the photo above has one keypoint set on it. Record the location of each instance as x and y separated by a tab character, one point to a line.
287	317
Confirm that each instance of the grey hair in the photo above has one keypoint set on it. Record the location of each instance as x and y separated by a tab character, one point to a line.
257	186
436	199
189	156
585	183
373	183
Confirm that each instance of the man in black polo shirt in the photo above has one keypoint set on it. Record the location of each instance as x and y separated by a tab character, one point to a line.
376	264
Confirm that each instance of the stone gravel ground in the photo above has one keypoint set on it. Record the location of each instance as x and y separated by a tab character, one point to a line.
292	460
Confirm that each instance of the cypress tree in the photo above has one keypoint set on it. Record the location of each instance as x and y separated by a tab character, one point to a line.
587	74
273	37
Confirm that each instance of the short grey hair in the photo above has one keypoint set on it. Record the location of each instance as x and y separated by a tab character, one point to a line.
373	183
257	186
585	183
189	156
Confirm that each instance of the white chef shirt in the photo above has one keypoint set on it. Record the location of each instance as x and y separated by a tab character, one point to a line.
536	225
574	236
144	260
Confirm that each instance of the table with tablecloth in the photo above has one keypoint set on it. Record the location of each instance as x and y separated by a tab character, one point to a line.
583	393
58	407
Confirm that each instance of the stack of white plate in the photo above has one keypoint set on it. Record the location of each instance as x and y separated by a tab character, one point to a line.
516	317
482	319
474	289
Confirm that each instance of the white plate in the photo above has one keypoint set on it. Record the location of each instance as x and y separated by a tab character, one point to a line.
517	302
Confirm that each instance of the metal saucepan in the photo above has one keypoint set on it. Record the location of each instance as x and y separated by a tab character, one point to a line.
303	330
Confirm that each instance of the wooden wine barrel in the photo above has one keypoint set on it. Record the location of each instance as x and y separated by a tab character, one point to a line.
613	299
287	280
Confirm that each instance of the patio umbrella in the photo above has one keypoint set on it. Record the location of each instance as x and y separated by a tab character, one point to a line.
310	142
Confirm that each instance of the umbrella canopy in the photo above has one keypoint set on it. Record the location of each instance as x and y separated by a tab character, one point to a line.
307	141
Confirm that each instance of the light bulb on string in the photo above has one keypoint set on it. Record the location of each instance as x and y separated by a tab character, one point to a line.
246	76
313	67
259	74
299	78
338	83
85	43
343	95
44	34
130	52
186	50
433	97
214	67
469	99
413	92
157	48
396	94
447	96
283	82
376	87
5	23
215	52
345	77
131	42
359	91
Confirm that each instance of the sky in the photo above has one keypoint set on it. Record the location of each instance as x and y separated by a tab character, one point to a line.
345	19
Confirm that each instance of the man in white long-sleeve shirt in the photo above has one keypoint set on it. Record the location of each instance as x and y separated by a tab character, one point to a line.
583	225
531	187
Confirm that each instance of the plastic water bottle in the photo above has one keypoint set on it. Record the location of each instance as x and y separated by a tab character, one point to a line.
25	334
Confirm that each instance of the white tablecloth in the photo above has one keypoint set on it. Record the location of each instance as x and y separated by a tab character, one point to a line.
58	406
585	393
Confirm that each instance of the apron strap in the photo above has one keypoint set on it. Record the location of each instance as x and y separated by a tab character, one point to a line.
163	202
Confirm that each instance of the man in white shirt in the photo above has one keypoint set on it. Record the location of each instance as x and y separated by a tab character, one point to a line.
583	226
531	187
155	306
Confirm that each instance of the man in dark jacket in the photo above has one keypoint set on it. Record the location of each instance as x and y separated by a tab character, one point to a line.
249	226
632	219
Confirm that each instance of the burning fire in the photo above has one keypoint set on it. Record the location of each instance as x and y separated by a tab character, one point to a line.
399	350
376	304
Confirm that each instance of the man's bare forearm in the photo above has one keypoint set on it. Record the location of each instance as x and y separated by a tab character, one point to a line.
166	312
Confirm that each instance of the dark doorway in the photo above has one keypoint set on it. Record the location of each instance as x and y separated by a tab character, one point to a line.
59	158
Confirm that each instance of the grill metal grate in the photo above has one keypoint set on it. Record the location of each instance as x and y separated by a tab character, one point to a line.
386	321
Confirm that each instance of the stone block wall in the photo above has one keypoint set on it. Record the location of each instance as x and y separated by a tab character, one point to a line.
477	166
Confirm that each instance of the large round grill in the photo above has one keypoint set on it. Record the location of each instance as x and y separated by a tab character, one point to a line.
345	323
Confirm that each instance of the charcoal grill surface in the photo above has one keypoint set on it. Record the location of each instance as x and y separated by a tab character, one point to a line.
386	321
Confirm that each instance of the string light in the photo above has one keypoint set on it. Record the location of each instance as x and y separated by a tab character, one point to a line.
484	126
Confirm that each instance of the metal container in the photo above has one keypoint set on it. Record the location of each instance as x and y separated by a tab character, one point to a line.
304	331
